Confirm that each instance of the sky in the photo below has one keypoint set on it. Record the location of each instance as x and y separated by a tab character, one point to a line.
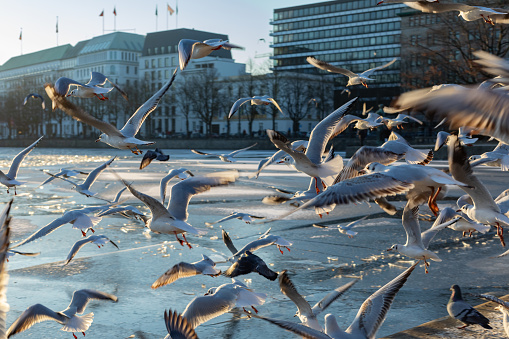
244	21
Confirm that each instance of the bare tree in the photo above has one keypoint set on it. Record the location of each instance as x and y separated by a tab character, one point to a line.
297	94
206	96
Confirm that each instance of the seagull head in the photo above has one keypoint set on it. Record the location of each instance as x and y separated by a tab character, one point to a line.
102	137
374	167
73	92
393	248
212	290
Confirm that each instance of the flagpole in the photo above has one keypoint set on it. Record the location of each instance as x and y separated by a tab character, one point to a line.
167	15
57	30
115	18
156	18
177	14
21	40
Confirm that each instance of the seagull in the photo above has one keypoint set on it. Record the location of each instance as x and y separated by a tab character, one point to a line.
173	220
219	300
181	173
468	13
499	157
99	240
35	95
372	121
93	88
478	108
370	316
178	326
461	310
157	154
464	223
245	217
255	100
78	218
353	78
503	307
297	197
69	318
310	162
428	181
307	314
11	253
84	188
346	229
193	49
484	209
64	172
464	135
417	243
206	266
227	157
298	145
399	121
121	139
264	240
9	179
245	262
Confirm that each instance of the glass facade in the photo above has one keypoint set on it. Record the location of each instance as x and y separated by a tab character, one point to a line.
354	34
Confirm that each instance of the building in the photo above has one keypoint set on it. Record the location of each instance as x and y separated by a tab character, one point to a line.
353	34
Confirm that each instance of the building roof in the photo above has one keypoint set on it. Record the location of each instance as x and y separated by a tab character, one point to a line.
171	38
116	40
39	57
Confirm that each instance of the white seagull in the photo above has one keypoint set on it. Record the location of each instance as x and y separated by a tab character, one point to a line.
93	88
35	95
370	316
84	188
464	223
70	318
99	240
121	139
499	157
399	121
245	217
181	173
347	230
255	100
468	13
372	121
226	157
64	172
173	220
205	266
219	300
353	78
194	49
278	157
264	240
9	179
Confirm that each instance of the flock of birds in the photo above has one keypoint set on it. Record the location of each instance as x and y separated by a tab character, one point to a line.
368	175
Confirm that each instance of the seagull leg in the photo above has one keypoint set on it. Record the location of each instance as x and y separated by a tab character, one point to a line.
256	311
280	250
83	333
7	189
139	152
83	233
462	327
288	248
15	193
316	186
432	201
500	233
464	233
426	265
187	242
74	335
92	229
180	241
470	233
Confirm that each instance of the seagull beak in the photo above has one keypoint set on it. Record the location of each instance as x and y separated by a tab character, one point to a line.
98	140
389	249
458	210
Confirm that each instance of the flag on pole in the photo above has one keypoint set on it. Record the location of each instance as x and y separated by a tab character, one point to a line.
57	24
170	10
102	13
156	10
115	10
20	35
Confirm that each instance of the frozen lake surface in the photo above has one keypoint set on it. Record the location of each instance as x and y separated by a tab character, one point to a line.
320	260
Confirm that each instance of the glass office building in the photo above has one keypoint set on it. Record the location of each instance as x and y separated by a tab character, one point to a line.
353	34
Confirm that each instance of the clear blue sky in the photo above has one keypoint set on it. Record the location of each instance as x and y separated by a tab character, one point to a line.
245	21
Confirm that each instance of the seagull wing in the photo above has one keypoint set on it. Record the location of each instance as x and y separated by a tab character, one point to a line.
374	309
180	270
132	126
166	179
182	192
234	153
370	71
268	161
80	299
405	116
328	67
282	143
185	49
80	243
95	173
236	106
288	288
178	327
299	329
462	171
33	315
202	309
13	171
231	216
35	95
203	153
331	297
63	84
411	225
344	123
96	79
79	114
228	242
323	132
147	158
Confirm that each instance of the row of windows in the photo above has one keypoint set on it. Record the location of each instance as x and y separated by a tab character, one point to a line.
163	50
338	32
344	57
126	56
341	44
159	62
426	19
324	9
337	20
157	75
